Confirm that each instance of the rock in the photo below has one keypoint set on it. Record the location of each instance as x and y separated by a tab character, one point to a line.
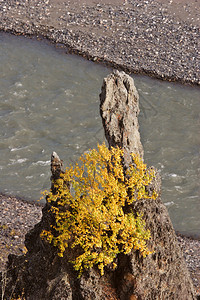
41	274
119	109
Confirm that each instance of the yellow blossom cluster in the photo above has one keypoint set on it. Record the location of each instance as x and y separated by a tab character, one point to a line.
90	215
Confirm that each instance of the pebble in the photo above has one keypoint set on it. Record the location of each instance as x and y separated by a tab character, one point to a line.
17	217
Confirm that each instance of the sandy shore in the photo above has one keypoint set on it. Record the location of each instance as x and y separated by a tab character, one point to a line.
155	37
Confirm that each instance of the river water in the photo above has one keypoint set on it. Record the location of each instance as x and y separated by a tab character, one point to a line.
49	101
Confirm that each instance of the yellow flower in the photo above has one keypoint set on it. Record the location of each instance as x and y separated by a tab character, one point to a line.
91	216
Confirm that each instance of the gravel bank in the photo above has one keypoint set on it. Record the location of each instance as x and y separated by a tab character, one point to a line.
17	217
154	37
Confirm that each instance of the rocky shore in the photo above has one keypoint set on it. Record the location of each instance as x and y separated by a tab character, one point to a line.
154	37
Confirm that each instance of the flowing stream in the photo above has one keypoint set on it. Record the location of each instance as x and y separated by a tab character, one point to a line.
49	101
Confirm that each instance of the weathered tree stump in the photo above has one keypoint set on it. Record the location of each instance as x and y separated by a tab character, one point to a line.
41	275
119	109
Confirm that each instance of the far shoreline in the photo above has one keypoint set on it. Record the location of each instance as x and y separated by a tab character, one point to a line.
80	29
102	61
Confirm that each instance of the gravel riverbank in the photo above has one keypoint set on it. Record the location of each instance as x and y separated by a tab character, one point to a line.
154	37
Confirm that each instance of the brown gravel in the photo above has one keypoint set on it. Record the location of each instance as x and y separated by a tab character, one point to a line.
18	216
191	252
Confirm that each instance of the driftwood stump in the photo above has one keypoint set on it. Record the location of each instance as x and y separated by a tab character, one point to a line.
41	275
119	109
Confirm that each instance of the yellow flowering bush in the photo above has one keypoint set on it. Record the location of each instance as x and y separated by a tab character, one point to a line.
91	215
